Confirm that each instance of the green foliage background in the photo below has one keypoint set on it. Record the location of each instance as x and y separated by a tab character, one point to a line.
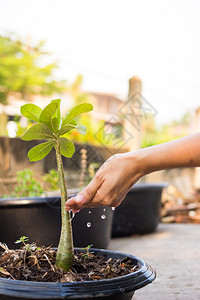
22	70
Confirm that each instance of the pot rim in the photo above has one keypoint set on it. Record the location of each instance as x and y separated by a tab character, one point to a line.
43	199
34	200
28	200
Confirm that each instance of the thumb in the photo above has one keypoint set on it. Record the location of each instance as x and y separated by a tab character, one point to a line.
86	195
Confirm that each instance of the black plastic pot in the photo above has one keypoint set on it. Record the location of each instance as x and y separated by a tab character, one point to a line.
139	212
39	218
120	288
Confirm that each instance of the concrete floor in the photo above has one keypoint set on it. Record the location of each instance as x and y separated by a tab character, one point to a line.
174	252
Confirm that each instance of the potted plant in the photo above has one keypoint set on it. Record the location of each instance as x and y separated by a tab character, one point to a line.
49	126
139	213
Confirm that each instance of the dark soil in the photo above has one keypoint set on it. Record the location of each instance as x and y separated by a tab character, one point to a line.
38	264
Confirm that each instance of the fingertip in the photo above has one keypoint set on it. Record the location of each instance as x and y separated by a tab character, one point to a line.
77	200
67	206
70	200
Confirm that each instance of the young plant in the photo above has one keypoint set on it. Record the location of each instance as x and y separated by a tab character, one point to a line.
87	253
27	186
50	127
29	247
23	239
52	178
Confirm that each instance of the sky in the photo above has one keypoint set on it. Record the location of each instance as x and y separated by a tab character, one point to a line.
109	41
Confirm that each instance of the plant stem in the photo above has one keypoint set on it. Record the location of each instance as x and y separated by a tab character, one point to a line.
65	253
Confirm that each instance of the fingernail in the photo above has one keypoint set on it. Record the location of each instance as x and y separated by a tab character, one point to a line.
79	198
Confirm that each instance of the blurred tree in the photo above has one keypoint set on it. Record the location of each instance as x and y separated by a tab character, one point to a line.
22	70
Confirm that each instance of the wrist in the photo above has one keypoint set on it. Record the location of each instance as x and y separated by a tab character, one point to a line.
135	166
141	161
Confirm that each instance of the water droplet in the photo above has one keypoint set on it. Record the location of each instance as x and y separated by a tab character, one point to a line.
89	224
104	209
113	208
103	217
89	212
72	215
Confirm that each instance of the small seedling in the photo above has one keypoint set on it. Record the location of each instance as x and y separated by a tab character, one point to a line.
50	127
29	247
23	239
87	254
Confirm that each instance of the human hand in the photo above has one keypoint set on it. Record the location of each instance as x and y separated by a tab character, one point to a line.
110	184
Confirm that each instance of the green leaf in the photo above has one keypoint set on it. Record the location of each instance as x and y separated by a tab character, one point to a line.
81	129
38	131
55	124
76	111
31	111
67	148
40	151
65	129
47	114
73	122
57	112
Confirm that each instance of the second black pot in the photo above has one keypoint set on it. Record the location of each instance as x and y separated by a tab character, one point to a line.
39	218
139	212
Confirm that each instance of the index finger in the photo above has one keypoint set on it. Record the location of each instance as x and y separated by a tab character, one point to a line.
85	196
